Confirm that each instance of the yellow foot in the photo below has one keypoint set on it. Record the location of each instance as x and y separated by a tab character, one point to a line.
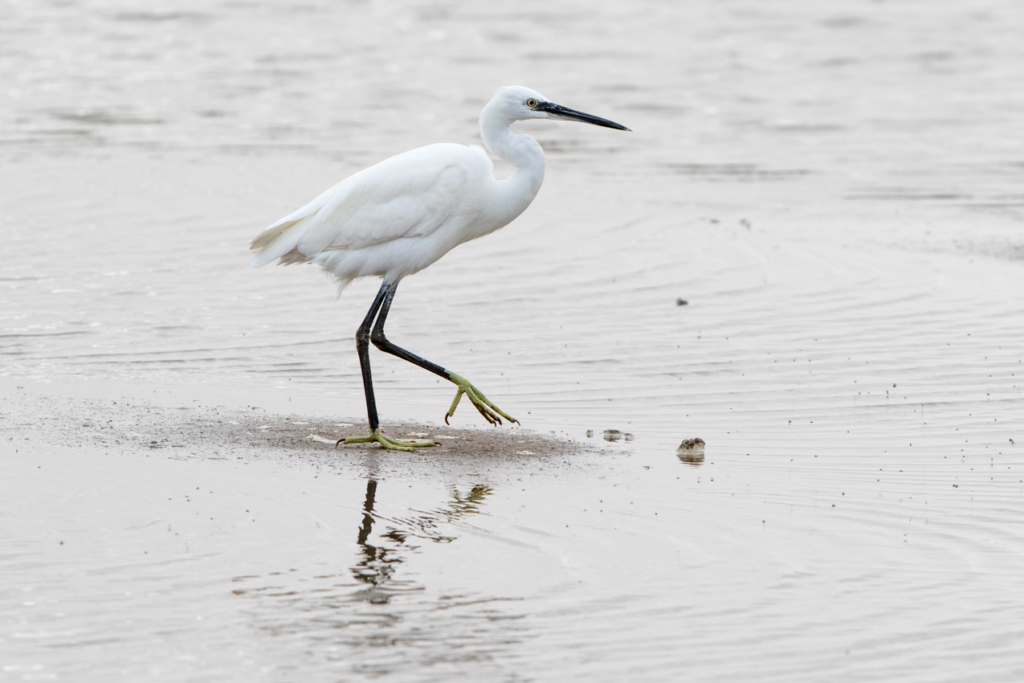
491	412
386	442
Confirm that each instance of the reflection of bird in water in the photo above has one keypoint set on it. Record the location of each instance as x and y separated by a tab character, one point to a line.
469	503
403	214
378	563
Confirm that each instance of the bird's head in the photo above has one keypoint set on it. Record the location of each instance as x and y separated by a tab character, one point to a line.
518	103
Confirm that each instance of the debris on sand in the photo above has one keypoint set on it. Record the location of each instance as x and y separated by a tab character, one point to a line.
616	435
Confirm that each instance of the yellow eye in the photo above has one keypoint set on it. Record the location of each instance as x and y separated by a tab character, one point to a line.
531	103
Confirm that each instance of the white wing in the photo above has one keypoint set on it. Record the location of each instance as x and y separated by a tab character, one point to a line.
408	195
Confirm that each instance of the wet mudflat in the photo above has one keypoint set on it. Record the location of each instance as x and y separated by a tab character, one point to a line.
834	191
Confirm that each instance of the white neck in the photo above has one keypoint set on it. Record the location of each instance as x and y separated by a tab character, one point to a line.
515	193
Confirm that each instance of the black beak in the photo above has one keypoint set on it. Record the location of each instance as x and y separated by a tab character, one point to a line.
560	112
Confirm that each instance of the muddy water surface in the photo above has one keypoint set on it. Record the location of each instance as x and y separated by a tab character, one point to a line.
835	192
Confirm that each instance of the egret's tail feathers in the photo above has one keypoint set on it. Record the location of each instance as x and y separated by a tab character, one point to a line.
277	241
342	283
293	256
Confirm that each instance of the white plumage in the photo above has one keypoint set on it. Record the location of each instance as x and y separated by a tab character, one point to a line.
403	214
391	219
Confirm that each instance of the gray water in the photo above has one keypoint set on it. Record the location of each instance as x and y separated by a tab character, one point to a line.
834	189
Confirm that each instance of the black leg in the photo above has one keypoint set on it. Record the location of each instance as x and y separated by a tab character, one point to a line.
363	348
491	412
382	343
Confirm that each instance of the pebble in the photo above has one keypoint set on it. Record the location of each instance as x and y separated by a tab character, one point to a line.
691	451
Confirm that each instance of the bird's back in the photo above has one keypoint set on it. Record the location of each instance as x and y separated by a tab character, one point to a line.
430	196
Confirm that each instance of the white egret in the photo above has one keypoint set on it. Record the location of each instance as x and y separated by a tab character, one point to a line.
403	214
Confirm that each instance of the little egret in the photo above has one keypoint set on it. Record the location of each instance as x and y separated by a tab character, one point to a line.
403	214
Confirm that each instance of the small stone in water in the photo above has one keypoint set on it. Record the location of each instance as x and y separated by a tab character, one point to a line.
691	451
681	302
691	445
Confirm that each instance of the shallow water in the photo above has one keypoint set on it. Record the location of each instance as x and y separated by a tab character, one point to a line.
835	191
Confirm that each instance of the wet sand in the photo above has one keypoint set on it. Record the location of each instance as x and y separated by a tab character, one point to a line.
127	519
129	425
